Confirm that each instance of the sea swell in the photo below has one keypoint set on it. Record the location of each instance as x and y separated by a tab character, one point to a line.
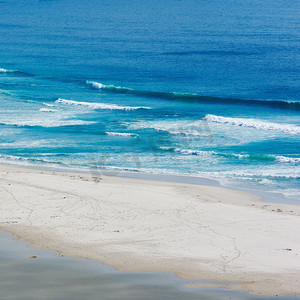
292	105
6	71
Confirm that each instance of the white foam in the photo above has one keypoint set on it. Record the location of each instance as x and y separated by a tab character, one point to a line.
95	84
166	148
195	152
11	157
279	159
254	123
240	156
120	134
269	172
23	161
97	105
267	182
285	159
28	144
2	70
47	123
291	193
190	133
192	128
47	110
49	105
99	86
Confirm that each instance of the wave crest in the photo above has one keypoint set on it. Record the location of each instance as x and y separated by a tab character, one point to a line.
195	152
265	158
192	97
285	159
2	70
104	106
120	134
47	110
254	123
111	87
47	123
197	128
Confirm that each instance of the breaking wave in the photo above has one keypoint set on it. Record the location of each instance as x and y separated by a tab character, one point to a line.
49	105
30	161
47	123
98	85
254	123
120	134
291	160
266	158
104	106
195	152
195	128
47	110
2	70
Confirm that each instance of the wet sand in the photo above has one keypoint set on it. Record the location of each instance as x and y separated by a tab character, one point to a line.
49	276
197	232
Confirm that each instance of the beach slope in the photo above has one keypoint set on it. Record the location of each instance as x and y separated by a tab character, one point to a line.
198	232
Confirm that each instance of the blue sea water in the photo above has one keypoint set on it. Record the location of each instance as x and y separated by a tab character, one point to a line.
200	88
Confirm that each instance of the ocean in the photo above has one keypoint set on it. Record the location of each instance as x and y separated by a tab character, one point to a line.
197	88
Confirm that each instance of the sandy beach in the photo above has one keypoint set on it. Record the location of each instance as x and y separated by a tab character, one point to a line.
198	232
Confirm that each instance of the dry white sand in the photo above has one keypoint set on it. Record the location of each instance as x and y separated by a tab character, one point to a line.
198	232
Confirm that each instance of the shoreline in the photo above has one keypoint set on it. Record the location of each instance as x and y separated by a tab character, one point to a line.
265	195
198	232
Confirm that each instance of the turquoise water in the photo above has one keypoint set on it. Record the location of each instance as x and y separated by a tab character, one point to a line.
190	87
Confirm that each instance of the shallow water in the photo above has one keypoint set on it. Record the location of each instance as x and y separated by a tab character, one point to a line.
52	277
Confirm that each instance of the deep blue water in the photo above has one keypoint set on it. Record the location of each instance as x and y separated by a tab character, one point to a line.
203	88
